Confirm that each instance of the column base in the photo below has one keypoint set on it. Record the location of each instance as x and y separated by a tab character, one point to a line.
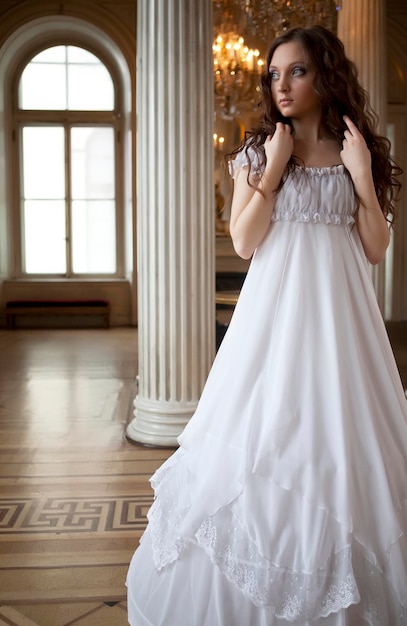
159	423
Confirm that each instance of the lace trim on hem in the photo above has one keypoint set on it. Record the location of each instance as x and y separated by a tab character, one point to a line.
314	595
339	595
293	595
166	547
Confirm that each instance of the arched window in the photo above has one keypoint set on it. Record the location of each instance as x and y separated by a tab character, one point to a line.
67	118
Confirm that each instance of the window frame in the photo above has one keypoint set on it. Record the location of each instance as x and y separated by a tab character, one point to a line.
67	119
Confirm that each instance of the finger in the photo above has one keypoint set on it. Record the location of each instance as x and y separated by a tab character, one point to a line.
351	126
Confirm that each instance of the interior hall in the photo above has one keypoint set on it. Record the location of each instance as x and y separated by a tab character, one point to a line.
117	271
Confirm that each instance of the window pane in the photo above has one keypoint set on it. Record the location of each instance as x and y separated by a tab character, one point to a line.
44	236
90	88
43	162
66	77
93	206
56	54
43	86
93	237
44	199
92	158
79	55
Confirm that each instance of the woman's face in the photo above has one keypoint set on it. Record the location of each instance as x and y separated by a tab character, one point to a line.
292	80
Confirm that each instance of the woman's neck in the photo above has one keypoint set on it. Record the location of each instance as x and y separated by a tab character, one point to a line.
314	146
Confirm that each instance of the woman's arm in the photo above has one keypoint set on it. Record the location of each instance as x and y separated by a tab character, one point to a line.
252	209
371	223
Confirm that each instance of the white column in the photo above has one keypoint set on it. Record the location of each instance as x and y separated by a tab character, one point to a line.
175	215
362	29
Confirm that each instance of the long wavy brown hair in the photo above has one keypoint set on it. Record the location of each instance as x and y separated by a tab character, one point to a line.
336	83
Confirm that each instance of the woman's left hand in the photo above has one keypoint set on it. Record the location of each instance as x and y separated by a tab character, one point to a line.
355	154
371	223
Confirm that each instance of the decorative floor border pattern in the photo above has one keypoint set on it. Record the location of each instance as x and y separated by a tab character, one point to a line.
73	515
106	613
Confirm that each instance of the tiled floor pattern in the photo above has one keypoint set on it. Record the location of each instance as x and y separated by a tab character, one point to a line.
73	491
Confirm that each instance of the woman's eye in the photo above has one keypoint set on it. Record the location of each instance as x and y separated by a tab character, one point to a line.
273	75
299	71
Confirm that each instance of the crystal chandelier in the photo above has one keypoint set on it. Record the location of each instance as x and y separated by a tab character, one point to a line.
262	20
236	68
269	18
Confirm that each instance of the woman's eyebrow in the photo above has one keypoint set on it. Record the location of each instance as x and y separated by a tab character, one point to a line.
275	67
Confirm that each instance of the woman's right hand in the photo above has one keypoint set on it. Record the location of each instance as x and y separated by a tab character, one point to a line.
253	205
279	147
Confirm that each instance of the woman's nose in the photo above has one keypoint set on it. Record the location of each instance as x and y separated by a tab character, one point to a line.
282	84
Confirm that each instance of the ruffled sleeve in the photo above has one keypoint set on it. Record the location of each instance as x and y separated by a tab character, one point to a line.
242	160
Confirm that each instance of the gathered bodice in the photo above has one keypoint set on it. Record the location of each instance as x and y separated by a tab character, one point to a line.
316	195
310	194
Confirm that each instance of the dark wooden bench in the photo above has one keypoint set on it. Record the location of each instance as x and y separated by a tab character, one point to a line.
15	308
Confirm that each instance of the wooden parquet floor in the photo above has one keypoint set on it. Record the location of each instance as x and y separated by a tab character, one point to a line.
73	491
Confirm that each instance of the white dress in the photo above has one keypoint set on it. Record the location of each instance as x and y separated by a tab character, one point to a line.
286	502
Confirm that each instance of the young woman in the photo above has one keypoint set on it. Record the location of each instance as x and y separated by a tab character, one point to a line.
286	502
